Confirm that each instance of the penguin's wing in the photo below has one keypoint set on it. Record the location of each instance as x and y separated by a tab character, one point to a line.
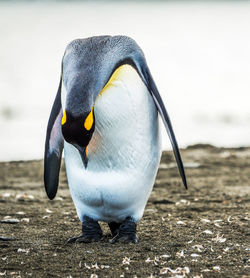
53	147
149	82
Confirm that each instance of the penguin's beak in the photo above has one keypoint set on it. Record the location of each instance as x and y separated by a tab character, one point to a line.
84	158
83	154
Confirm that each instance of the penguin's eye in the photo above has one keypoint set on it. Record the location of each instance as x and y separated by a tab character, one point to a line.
64	118
89	120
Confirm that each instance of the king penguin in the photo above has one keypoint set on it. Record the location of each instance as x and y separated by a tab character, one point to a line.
105	117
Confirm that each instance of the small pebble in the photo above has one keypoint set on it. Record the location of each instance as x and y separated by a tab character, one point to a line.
126	260
104	266
181	223
24	197
205	220
180	254
194	255
6	195
27	220
165	256
208	232
87	266
95	266
10	221
216	268
23	250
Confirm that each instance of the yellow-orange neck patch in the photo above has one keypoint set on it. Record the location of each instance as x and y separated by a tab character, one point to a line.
64	118
89	120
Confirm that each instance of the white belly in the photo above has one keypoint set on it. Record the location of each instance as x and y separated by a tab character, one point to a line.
123	154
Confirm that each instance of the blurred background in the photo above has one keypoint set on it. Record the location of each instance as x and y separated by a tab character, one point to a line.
198	53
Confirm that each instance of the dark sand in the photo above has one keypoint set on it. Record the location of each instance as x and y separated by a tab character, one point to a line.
202	232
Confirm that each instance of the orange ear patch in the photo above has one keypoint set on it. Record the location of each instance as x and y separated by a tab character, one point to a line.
64	118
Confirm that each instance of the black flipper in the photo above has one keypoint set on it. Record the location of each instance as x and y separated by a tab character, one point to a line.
149	82
53	147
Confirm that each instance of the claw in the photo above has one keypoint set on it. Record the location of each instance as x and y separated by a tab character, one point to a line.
84	239
124	239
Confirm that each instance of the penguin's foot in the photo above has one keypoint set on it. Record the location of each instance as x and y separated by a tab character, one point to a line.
126	232
91	231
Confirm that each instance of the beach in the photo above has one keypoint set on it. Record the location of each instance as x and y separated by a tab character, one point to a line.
199	232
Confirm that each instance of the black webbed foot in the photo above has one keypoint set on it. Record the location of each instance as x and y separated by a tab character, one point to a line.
91	231
126	232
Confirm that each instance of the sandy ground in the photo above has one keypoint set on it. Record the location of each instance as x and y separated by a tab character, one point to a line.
202	232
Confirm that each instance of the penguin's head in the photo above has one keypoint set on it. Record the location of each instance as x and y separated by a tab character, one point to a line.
78	130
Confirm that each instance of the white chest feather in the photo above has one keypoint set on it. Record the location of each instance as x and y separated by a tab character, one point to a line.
123	154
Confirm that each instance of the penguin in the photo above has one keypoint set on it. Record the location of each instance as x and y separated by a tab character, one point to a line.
105	117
